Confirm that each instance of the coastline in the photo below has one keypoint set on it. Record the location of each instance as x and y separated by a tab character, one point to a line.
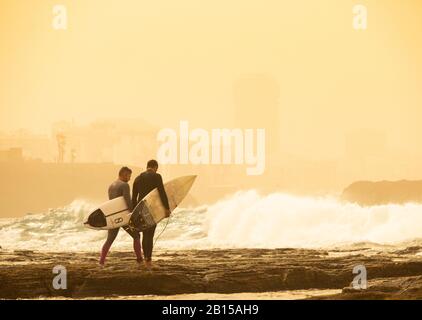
231	273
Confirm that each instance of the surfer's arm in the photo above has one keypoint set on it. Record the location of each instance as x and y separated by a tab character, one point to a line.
135	193
126	195
162	192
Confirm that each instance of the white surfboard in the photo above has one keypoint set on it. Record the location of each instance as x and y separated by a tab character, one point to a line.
111	214
150	209
114	213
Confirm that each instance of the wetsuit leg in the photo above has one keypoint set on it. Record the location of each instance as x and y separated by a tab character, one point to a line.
111	235
136	242
148	242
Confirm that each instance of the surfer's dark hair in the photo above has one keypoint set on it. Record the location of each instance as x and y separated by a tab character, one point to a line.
152	164
124	170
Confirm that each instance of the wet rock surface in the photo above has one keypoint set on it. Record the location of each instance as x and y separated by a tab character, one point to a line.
392	273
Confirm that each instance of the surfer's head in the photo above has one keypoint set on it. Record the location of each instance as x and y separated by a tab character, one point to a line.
152	165
125	174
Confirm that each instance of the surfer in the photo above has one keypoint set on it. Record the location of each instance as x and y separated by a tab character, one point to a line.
144	184
120	188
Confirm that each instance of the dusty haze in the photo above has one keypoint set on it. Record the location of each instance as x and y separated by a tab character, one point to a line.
338	105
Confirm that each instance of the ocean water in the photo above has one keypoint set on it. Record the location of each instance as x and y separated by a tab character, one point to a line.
244	220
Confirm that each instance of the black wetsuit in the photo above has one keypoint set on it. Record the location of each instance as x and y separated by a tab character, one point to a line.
144	184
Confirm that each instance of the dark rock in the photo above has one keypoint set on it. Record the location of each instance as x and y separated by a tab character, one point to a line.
368	193
401	288
29	275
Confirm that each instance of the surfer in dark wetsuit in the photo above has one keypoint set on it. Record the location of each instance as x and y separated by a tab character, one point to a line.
144	184
120	188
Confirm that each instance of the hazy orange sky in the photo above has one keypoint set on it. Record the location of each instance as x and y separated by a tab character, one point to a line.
167	61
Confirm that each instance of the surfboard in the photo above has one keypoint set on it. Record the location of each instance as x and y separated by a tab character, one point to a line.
114	213
150	209
109	215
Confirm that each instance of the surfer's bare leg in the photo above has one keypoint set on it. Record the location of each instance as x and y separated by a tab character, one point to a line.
112	234
147	243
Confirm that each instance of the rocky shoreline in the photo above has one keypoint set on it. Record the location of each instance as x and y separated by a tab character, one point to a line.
392	273
371	193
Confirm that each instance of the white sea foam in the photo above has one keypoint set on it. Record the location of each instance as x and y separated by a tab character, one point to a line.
244	220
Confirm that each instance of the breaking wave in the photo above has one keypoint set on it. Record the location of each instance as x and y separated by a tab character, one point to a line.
243	220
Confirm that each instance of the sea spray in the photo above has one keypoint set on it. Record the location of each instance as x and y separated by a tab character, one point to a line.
243	220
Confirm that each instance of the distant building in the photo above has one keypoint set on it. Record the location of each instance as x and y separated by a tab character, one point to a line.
128	141
11	155
32	146
257	105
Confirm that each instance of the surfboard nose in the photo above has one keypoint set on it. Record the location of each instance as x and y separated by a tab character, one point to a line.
183	185
189	180
192	177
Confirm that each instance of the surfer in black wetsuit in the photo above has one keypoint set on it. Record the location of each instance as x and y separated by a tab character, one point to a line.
120	188
144	184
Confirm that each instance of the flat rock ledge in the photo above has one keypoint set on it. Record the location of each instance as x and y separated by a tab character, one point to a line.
391	274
